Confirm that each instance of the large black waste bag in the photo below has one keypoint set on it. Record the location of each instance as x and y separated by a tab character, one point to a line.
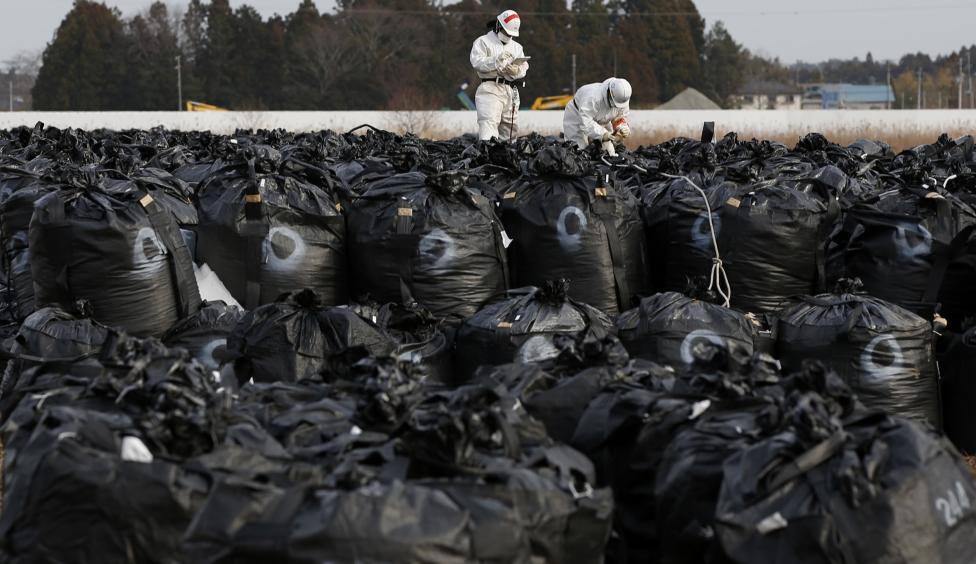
566	222
909	247
679	234
773	242
70	495
291	339
690	474
266	232
957	360
884	352
205	333
20	188
493	335
421	338
51	334
665	327
557	387
881	490
428	239
120	251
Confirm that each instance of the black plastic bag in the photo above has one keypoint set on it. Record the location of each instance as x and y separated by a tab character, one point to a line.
665	327
882	490
565	222
883	352
266	232
430	240
122	252
205	333
493	335
292	339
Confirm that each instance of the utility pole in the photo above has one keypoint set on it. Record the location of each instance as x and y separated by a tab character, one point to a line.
919	88
574	73
969	56
960	80
11	93
179	83
890	94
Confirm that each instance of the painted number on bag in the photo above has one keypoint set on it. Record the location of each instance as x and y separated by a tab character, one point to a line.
953	505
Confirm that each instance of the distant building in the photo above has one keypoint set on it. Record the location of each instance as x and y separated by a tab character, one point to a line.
848	97
768	95
689	99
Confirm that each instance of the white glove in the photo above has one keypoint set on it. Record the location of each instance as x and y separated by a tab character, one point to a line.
607	136
513	70
503	60
609	148
623	131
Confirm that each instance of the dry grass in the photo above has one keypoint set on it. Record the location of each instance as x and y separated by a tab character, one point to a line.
899	139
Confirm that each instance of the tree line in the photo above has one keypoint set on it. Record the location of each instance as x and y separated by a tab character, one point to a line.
413	54
370	54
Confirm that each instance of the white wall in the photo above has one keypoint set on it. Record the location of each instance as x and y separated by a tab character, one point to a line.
677	122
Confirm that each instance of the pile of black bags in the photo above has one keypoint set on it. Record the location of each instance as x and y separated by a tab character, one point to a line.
457	351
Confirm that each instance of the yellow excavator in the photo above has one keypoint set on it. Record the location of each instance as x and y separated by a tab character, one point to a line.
192	106
552	102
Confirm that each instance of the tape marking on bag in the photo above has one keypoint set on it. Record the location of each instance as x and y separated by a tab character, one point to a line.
909	252
701	236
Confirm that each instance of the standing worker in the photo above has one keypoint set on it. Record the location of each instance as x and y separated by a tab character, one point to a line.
501	64
599	112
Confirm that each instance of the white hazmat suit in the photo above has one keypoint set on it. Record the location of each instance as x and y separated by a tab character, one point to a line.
590	116
497	101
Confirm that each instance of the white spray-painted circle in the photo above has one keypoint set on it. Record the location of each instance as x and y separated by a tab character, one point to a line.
571	238
283	249
207	353
882	347
437	249
147	248
687	356
908	252
701	236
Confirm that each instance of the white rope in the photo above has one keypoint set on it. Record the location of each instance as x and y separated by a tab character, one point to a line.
718	280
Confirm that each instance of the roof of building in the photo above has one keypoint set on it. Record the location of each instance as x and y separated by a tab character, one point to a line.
854	93
689	99
768	88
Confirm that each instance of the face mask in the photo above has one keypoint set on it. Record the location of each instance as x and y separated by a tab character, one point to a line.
502	36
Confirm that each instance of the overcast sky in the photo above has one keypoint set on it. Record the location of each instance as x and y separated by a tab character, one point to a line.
808	30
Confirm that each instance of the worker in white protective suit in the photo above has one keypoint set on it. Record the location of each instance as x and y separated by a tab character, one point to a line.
501	64
599	112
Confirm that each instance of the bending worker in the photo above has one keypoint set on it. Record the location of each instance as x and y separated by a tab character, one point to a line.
599	112
501	64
